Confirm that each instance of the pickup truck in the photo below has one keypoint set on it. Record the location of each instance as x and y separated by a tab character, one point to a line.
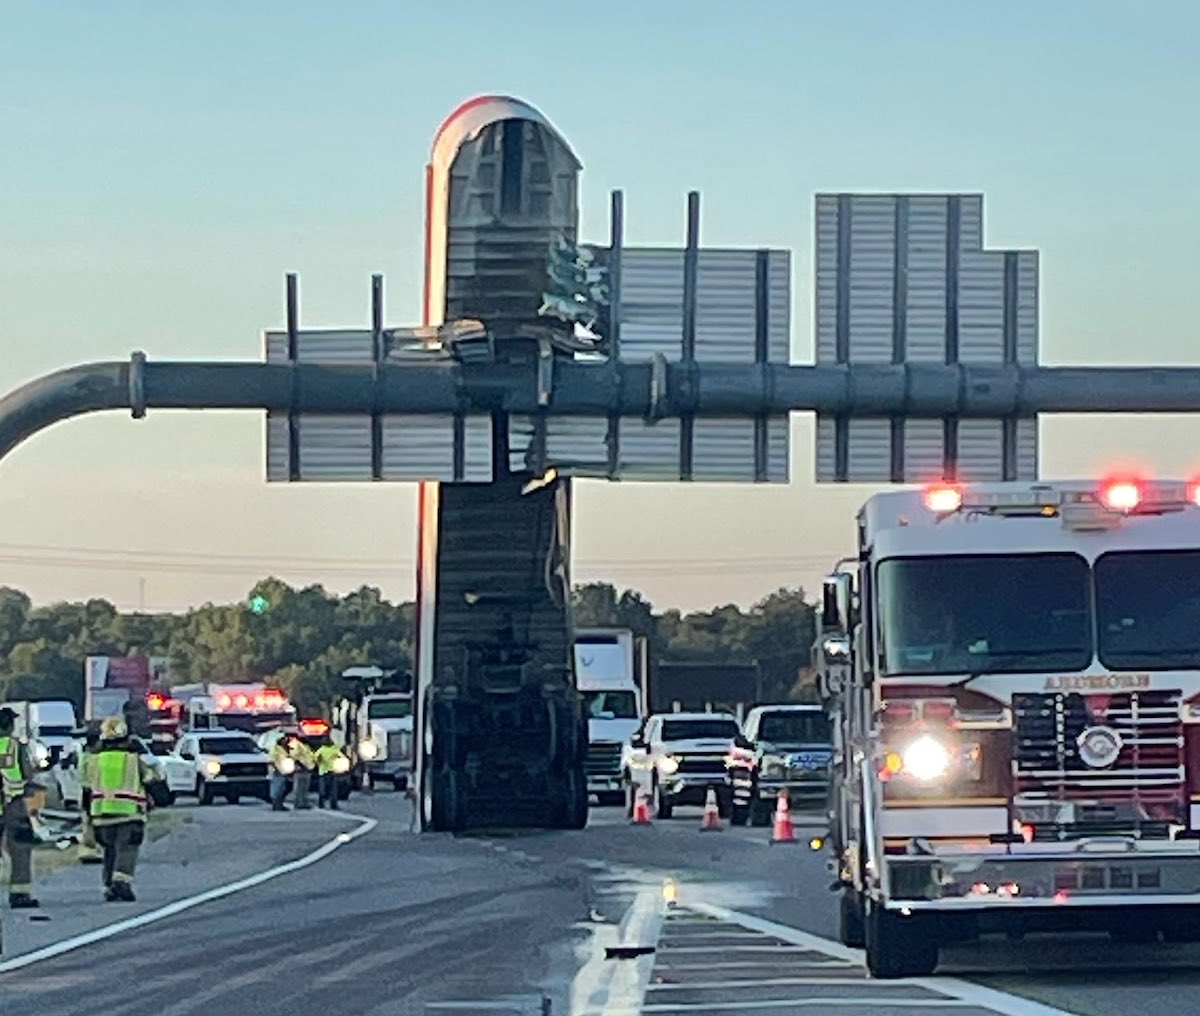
676	757
783	748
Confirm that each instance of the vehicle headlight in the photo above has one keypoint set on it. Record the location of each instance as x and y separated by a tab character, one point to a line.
41	755
287	766
368	748
925	759
341	764
668	765
212	767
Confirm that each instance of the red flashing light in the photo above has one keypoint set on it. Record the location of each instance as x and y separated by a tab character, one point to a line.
1121	495
224	701
899	712
242	701
943	499
312	727
155	701
937	710
1193	492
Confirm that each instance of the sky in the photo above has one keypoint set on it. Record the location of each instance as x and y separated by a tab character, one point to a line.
162	166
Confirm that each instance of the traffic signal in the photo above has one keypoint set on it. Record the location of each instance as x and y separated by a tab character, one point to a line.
576	287
259	604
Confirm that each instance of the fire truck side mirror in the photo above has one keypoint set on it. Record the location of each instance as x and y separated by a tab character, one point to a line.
836	597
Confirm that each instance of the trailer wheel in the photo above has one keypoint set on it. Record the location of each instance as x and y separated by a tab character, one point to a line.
898	945
447	813
851	931
576	816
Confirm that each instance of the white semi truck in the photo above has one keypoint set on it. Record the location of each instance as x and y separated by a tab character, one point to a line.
373	726
1013	672
606	673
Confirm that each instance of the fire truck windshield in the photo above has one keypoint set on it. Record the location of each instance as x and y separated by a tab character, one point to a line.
976	613
1148	609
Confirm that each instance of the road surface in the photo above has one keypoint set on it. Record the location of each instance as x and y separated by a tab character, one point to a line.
394	923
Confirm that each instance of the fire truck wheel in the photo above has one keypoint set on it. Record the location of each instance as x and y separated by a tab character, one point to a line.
899	946
850	919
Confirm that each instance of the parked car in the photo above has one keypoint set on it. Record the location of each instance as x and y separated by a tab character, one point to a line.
677	757
224	763
177	775
784	747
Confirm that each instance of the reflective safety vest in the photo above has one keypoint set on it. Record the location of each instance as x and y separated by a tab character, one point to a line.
327	756
281	758
117	788
303	755
12	779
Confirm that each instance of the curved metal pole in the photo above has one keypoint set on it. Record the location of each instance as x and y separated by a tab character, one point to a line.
652	390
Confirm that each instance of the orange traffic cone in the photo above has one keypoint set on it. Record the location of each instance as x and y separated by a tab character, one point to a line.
712	813
784	831
641	809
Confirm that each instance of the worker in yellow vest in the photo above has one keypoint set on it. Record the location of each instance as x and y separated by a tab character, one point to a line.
115	796
306	762
283	768
331	764
16	830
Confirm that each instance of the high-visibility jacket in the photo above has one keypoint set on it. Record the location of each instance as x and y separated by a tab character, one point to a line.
12	769
281	758
303	755
327	756
118	787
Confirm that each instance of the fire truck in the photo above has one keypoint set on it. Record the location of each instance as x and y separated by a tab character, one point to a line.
250	707
1013	672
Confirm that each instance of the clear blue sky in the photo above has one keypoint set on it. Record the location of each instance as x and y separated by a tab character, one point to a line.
163	164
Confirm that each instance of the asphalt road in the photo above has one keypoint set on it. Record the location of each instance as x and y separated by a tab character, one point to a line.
394	923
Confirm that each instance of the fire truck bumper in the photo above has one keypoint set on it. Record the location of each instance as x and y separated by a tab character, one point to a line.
1051	875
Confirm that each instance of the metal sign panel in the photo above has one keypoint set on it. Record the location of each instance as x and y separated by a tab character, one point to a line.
739	312
905	279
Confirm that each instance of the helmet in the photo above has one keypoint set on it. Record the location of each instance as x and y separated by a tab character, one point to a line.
113	729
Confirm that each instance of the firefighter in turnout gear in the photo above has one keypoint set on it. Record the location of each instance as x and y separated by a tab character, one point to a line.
115	795
16	830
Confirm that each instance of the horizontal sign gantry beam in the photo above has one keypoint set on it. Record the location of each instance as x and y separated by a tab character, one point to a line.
653	390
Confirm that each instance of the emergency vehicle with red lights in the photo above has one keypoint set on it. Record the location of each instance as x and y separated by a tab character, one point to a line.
248	707
1013	672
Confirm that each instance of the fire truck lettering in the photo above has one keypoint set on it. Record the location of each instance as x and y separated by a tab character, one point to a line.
1098	682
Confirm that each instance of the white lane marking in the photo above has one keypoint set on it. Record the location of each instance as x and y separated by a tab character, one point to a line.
963	991
774	950
179	906
768	982
864	1001
616	987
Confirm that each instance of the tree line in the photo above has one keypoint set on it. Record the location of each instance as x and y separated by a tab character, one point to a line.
301	639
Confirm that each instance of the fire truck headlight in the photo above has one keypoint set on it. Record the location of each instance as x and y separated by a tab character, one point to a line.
926	759
368	749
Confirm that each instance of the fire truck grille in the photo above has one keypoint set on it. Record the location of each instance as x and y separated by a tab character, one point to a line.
1062	796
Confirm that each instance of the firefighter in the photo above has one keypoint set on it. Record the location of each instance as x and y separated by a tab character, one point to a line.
117	800
330	764
306	761
16	830
282	766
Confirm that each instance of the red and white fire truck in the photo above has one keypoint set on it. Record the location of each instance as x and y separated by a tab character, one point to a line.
1013	671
